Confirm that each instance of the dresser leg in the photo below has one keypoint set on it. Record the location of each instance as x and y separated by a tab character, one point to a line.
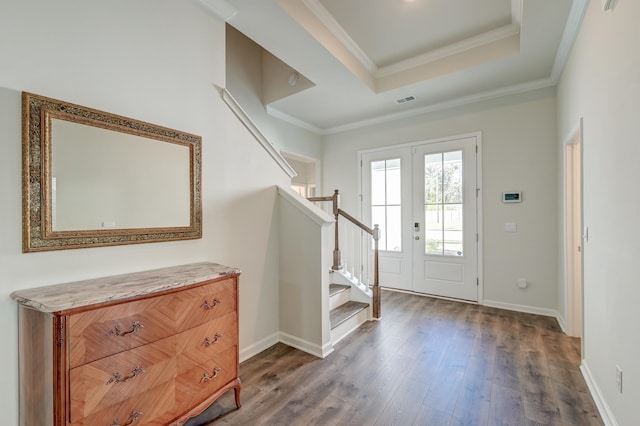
236	390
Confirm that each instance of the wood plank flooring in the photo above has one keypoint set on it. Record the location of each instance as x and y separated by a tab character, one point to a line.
428	362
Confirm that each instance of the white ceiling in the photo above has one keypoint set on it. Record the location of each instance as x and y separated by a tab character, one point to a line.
362	55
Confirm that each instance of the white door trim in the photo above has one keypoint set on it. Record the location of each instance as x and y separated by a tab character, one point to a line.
573	243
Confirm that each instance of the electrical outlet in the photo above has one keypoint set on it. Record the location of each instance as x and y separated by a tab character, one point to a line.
619	378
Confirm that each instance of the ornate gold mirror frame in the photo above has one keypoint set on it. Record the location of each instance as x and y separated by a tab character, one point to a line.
39	232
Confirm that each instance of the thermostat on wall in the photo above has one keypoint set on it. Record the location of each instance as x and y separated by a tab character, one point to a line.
512	197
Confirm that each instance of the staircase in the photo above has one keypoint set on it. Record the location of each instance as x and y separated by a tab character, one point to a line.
345	314
354	295
350	304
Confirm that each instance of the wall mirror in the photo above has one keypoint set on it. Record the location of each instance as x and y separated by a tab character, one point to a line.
91	178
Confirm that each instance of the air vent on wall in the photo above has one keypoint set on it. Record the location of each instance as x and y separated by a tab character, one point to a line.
407	99
609	4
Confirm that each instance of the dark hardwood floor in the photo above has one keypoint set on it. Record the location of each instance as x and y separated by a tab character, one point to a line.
428	362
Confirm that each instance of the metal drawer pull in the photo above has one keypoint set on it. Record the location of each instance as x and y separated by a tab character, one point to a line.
135	415
206	377
117	378
207	306
209	342
137	325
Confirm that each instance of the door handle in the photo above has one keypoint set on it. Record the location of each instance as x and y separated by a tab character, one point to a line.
416	237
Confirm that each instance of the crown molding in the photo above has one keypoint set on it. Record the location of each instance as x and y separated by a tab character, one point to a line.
453	103
483	39
220	8
274	112
571	30
327	19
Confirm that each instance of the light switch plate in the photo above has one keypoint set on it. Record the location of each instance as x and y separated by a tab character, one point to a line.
510	227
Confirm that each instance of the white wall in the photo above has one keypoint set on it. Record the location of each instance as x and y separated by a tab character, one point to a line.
155	61
519	153
601	84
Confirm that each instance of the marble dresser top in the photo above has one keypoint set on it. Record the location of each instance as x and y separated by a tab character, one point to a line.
63	297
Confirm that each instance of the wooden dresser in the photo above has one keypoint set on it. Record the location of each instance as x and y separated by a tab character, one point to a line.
154	347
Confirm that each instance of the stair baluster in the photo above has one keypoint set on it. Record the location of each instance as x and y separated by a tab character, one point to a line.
354	262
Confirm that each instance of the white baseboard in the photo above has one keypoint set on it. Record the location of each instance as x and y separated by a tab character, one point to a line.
562	322
306	346
522	308
258	347
603	408
287	339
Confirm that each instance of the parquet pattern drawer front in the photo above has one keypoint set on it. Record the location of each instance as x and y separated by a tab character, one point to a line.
199	376
110	381
158	358
203	304
209	338
147	408
105	331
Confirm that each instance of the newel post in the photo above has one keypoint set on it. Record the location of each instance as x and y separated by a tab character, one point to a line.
336	213
376	277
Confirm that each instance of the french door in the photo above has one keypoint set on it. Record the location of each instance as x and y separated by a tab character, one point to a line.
424	197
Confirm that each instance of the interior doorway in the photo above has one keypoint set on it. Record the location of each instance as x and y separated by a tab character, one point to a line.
573	231
306	180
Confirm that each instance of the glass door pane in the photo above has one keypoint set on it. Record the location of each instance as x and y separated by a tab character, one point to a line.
386	202
443	205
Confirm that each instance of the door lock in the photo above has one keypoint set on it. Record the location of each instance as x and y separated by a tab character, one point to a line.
416	226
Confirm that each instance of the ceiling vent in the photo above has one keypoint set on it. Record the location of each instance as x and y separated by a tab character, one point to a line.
407	99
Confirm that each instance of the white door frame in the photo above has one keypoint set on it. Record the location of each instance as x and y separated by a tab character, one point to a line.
479	209
574	246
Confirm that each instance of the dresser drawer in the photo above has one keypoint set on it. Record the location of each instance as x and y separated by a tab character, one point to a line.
105	331
147	408
205	340
107	382
205	303
196	380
